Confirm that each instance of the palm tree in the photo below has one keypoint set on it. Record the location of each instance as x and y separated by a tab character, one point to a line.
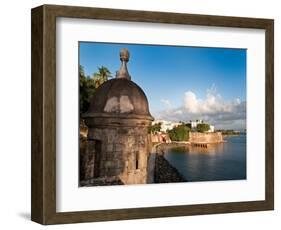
101	76
88	85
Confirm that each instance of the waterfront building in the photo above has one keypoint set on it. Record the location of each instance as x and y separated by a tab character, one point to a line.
166	125
212	129
193	125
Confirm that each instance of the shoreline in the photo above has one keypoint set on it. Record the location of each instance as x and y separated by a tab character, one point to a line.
159	147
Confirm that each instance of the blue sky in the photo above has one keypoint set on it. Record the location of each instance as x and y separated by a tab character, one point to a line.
190	79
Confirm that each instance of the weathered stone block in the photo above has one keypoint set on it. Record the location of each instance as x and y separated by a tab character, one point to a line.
109	148
118	147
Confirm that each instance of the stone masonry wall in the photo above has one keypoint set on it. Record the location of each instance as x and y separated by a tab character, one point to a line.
86	159
196	137
165	172
123	153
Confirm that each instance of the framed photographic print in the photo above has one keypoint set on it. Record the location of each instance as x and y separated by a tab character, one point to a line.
141	114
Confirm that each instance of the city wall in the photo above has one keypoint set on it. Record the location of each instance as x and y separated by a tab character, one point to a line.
206	138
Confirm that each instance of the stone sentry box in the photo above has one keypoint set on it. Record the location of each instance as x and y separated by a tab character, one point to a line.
118	142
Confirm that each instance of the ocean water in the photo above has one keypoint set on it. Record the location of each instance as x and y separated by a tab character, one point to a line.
224	161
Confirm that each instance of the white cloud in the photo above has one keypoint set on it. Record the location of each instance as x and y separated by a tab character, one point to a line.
166	102
179	112
227	114
213	103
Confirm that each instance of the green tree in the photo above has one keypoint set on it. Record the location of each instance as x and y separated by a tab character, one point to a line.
101	76
188	125
155	128
203	127
88	85
85	90
179	133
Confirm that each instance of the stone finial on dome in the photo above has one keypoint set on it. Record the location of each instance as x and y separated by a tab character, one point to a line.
123	71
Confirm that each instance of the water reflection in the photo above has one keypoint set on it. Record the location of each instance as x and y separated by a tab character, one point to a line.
225	161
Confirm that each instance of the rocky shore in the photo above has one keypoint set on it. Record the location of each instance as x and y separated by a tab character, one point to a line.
165	172
163	147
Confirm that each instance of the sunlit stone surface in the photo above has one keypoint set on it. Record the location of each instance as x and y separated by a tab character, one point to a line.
118	142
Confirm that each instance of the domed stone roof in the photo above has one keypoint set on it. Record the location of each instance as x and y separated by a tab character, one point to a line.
119	97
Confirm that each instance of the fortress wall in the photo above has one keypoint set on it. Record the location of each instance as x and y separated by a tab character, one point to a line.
157	137
196	137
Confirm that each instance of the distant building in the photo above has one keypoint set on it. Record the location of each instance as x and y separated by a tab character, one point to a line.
212	129
166	125
193	125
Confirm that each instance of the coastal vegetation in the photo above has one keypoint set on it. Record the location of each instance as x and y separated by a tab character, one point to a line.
200	127
89	84
155	128
229	132
204	127
179	133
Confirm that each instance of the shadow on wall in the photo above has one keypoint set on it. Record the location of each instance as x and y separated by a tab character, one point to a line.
25	215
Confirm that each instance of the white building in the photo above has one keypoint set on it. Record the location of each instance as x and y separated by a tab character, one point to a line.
166	125
212	129
195	123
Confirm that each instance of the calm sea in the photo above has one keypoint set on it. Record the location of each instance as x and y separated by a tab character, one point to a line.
225	161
